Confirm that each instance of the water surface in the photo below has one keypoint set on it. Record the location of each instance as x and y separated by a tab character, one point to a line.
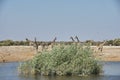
9	71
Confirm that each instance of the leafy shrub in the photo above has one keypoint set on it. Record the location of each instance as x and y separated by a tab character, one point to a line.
116	42
63	60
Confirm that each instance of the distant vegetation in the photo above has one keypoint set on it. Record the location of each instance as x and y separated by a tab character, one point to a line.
62	60
114	42
11	43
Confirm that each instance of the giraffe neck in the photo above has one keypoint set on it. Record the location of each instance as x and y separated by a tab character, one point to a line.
77	39
102	44
72	39
54	40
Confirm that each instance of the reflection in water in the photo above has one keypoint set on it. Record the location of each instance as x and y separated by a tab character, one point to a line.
112	68
8	71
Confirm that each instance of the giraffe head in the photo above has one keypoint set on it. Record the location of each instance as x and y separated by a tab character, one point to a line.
26	39
104	42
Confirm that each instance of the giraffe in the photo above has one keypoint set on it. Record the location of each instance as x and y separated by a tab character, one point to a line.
54	39
43	45
30	43
48	45
77	39
36	45
72	39
33	43
100	47
53	42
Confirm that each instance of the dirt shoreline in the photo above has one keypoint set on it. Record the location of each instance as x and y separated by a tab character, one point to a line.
23	53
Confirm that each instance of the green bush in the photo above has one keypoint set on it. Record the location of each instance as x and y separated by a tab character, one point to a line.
116	42
6	43
63	60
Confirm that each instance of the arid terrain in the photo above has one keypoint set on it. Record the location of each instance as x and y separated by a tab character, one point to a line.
16	53
23	53
109	53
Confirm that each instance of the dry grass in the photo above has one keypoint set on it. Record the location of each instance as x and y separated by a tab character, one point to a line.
23	53
16	53
109	53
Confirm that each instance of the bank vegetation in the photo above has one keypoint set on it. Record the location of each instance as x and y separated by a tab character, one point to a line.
74	59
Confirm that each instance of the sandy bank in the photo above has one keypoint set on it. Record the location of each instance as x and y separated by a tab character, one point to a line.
23	53
16	53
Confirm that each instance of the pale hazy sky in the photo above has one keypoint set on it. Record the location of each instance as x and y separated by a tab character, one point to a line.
46	19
